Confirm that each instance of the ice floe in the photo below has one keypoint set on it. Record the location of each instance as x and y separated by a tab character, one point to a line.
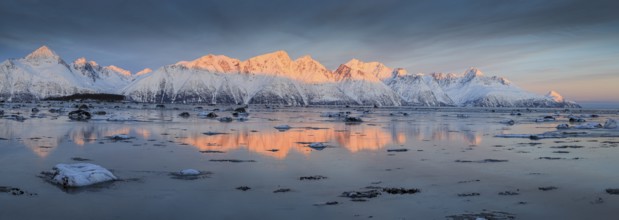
80	174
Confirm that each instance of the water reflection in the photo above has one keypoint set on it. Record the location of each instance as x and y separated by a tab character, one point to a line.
43	137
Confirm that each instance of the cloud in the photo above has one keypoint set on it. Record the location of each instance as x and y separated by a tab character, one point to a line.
444	35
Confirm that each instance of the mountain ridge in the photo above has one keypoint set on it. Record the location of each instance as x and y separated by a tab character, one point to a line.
271	78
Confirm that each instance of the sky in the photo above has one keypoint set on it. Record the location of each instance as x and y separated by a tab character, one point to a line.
571	46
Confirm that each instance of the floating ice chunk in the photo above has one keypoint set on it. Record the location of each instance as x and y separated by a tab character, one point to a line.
563	126
80	174
590	125
189	172
610	124
317	146
545	119
282	127
120	137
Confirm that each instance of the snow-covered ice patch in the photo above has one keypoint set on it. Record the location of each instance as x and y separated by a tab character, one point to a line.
590	125
80	174
610	124
189	172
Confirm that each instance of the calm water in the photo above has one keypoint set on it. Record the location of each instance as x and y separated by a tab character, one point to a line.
356	157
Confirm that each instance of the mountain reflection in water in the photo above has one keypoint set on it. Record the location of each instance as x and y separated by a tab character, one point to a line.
259	138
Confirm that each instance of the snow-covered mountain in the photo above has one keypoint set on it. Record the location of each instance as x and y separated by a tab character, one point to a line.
43	74
272	78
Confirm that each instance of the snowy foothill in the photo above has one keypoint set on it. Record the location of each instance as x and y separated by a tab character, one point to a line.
80	174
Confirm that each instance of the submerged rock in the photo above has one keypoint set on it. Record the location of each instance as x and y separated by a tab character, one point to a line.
80	174
352	119
243	188
184	114
508	122
241	110
317	177
207	115
361	194
317	146
563	126
118	137
226	119
613	191
79	115
401	190
282	127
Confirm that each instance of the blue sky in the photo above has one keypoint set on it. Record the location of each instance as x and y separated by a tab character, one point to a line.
565	45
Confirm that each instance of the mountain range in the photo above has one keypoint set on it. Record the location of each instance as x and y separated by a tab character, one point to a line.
272	78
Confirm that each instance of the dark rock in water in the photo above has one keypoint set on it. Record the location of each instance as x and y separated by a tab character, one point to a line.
184	114
361	194
79	115
550	158
212	152
54	110
211	115
226	119
15	191
100	113
508	193
397	150
1	112
243	188
401	190
317	177
282	190
35	110
327	203
482	161
211	133
613	191
495	215
468	194
241	110
547	188
79	159
352	119
159	106
574	119
83	107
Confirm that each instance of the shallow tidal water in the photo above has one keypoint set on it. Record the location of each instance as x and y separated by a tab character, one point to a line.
445	157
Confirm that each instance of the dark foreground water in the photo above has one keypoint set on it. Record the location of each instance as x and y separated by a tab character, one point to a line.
451	155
